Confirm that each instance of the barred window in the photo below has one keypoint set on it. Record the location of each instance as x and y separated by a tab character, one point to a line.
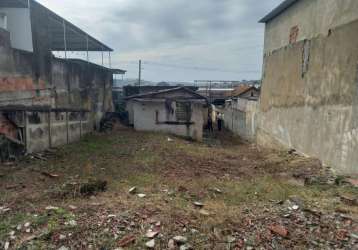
183	111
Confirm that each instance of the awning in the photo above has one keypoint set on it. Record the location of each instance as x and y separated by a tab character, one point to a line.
62	35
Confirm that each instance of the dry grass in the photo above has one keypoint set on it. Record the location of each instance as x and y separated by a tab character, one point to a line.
172	174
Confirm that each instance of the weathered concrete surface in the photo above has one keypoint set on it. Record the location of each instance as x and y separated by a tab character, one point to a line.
312	18
240	117
40	79
312	105
145	119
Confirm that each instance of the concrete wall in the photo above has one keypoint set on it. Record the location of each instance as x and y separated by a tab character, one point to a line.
39	79
144	119
309	97
19	26
312	17
240	117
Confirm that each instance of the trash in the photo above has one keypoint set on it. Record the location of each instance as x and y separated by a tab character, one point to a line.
180	240
7	245
72	223
133	190
185	247
151	234
50	175
198	204
171	244
62	237
204	212
280	230
150	244
170	139
141	195
72	207
127	240
63	248
27	224
52	208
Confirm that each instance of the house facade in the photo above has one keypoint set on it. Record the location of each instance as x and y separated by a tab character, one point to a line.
46	101
177	111
309	97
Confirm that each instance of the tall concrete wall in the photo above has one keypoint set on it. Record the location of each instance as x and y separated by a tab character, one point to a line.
309	98
240	117
312	18
39	79
145	119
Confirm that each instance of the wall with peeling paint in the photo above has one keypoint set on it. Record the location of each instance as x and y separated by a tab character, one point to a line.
311	18
39	79
309	98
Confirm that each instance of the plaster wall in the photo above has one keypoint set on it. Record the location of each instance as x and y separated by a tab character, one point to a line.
309	98
144	119
312	17
240	117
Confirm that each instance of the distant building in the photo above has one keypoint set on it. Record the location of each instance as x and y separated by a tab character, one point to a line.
178	111
246	92
309	96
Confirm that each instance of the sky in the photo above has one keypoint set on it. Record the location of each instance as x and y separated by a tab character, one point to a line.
177	40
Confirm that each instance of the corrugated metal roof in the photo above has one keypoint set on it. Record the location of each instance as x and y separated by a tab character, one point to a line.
76	38
278	10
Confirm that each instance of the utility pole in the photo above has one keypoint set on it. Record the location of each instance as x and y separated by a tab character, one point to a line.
140	73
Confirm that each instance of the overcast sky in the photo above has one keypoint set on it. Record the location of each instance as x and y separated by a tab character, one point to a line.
178	40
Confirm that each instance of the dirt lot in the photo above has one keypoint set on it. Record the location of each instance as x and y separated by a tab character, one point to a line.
221	194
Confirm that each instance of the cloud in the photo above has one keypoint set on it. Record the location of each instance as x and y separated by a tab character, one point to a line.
201	34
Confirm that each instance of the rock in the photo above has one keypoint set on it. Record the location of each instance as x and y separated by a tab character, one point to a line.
133	190
62	237
27	224
171	244
141	195
28	230
180	240
279	230
12	233
151	234
150	244
63	248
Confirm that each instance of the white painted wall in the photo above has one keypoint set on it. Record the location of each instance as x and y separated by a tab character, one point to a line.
3	21
19	26
144	119
313	18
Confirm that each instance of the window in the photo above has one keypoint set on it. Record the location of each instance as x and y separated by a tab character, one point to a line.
183	111
3	21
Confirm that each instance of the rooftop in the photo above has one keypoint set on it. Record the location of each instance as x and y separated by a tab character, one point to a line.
278	10
63	35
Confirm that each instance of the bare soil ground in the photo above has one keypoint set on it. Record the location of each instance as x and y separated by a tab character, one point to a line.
222	194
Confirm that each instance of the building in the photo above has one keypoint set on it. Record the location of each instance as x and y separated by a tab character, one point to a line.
47	101
309	98
178	111
246	92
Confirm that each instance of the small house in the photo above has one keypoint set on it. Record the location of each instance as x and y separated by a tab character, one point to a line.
179	111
